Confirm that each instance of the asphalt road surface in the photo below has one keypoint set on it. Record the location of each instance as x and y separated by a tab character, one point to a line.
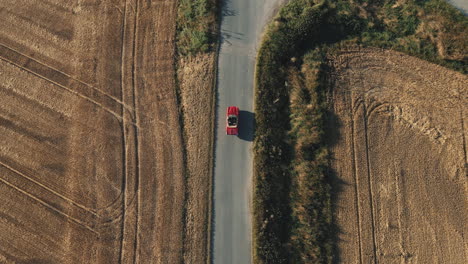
462	5
241	27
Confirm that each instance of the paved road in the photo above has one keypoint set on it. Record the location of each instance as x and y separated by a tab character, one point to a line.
462	5
241	26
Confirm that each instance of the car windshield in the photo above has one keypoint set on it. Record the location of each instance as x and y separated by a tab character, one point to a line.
232	120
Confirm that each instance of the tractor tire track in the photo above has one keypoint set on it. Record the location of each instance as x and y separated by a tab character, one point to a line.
30	179
129	226
49	206
32	104
135	97
18	54
354	173
369	178
124	138
41	71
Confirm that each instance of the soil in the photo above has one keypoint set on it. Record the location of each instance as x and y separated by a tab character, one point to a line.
399	158
92	165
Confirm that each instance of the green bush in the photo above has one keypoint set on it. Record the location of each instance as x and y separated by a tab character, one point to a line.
196	26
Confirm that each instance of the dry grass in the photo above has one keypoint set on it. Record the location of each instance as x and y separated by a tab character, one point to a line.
91	156
196	83
400	158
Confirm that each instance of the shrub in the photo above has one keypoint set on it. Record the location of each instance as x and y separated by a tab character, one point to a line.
196	26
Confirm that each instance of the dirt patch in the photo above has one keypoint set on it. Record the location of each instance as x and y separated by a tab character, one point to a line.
400	158
196	82
91	157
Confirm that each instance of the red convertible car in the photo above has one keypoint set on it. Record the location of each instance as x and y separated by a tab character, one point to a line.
232	120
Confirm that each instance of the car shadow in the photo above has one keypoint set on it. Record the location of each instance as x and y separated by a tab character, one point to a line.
246	125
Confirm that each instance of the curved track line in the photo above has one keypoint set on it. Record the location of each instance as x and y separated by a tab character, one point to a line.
128	108
72	219
109	205
356	188
137	129
42	104
117	116
375	107
124	137
371	194
359	101
91	211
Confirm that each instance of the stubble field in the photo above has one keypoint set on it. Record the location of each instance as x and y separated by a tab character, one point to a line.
399	157
91	156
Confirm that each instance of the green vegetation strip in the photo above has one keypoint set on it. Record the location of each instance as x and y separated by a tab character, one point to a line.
277	213
196	26
292	195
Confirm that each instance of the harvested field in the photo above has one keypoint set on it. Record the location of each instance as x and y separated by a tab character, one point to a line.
399	158
91	157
